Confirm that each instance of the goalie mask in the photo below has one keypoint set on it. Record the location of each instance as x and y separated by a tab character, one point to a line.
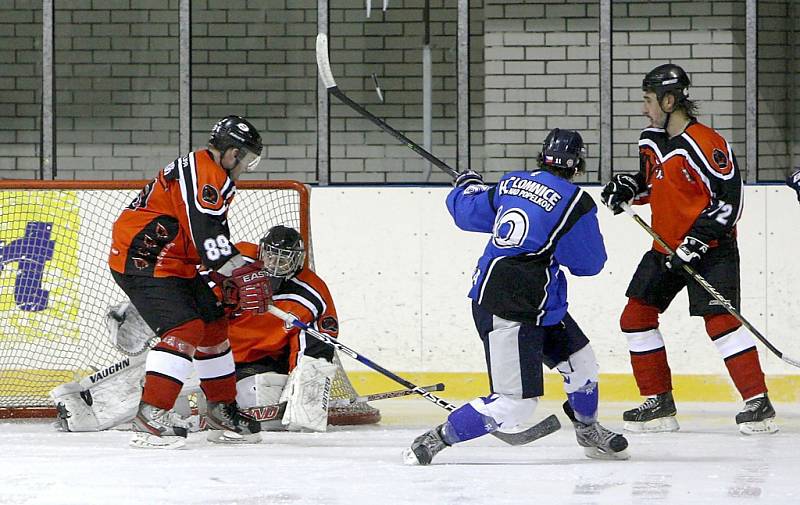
282	252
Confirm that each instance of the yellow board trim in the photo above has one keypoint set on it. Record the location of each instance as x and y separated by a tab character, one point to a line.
613	387
464	385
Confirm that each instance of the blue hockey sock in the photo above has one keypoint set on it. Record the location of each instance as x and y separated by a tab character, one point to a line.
584	402
466	423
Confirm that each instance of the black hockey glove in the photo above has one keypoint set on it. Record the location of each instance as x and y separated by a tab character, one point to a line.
793	181
621	189
690	252
467	178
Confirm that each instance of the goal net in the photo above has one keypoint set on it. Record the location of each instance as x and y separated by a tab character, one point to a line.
55	284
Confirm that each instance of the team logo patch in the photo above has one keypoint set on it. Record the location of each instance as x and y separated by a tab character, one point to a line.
329	323
210	194
720	159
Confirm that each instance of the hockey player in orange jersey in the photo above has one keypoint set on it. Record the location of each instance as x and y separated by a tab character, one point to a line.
177	222
266	350
689	176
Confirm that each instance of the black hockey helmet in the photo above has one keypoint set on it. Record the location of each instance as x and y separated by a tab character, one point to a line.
237	132
563	152
667	78
282	251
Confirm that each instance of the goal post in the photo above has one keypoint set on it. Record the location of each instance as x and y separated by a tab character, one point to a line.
55	284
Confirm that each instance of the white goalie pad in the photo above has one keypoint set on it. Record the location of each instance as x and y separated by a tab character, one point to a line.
112	398
307	394
127	330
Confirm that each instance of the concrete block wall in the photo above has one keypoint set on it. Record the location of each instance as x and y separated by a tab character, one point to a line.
542	72
389	44
116	65
774	117
534	64
20	78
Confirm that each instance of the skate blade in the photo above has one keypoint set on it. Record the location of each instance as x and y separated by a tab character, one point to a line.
765	427
595	453
662	424
233	438
409	458
148	441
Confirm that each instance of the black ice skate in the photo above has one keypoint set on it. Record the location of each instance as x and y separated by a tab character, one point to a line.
425	447
757	417
157	428
597	441
657	413
234	425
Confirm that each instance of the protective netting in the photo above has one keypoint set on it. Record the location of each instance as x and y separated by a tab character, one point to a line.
55	285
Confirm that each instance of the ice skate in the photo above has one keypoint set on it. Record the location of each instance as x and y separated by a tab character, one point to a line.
156	428
597	441
234	426
425	447
757	417
657	413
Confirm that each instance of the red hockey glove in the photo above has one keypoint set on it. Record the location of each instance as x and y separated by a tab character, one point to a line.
248	288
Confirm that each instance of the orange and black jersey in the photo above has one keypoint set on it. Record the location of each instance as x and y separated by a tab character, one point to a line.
306	296
178	221
692	183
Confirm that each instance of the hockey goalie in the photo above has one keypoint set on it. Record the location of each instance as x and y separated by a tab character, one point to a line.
283	376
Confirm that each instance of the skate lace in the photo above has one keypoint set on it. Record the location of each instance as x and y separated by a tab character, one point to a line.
648	404
599	434
168	418
753	405
432	441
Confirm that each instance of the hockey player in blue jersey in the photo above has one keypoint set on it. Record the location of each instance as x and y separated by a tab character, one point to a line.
539	221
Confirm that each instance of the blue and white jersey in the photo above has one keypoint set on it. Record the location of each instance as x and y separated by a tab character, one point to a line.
538	222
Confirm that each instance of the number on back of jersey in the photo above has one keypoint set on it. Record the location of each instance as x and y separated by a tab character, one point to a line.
217	248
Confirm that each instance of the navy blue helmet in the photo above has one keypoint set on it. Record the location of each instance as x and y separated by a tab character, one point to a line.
563	150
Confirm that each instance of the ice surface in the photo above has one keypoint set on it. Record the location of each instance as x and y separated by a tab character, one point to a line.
707	462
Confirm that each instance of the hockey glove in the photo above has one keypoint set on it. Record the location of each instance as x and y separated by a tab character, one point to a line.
467	178
793	181
248	288
690	252
621	189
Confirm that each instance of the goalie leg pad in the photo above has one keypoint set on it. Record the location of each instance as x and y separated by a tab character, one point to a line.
307	393
260	395
106	404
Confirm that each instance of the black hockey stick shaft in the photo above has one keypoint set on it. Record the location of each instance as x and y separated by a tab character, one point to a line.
710	289
325	73
510	438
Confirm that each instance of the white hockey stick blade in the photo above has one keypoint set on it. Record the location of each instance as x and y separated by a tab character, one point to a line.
548	425
324	62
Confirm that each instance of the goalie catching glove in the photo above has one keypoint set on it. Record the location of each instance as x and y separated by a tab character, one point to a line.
248	288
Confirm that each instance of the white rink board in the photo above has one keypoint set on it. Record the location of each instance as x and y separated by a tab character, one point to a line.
399	271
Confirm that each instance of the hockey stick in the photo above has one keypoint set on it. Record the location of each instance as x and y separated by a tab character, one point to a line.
324	66
710	289
545	427
344	402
